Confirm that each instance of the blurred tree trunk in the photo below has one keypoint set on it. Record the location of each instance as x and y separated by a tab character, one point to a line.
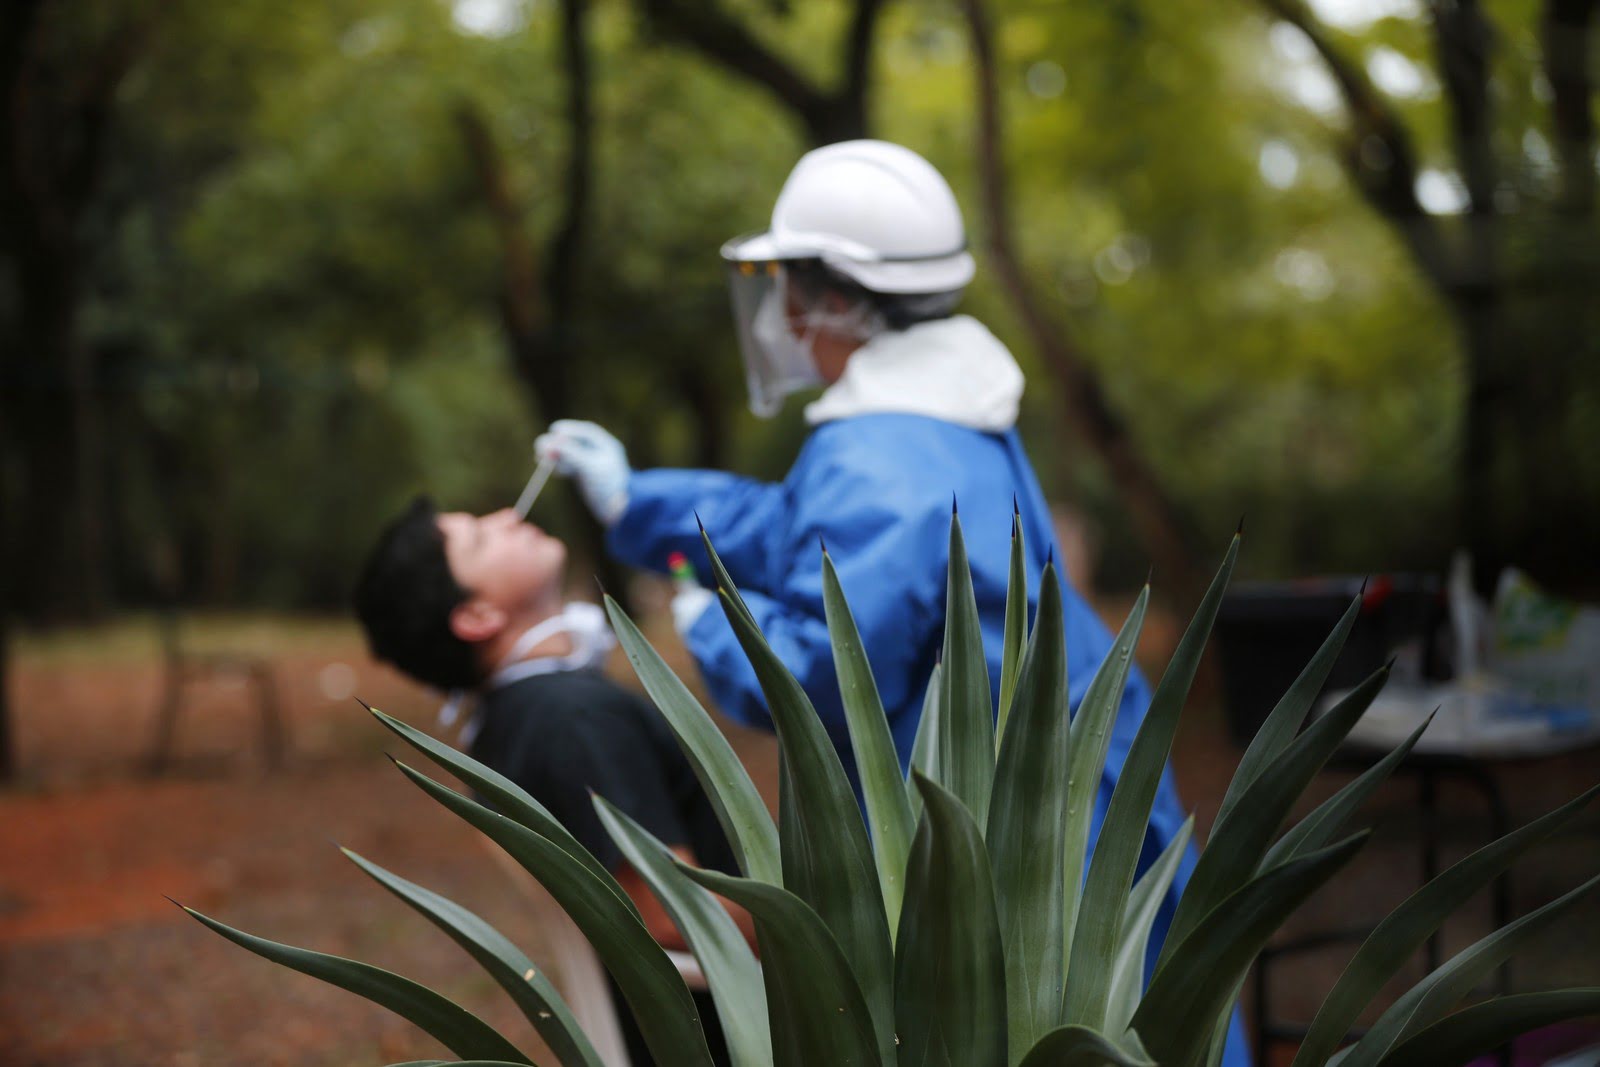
1518	281
540	319
57	113
827	114
58	109
1086	408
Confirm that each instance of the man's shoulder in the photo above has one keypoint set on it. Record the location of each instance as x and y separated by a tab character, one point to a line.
561	694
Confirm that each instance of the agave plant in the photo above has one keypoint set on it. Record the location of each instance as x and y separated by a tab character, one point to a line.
964	921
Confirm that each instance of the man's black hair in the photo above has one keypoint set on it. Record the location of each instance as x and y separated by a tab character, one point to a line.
898	310
404	599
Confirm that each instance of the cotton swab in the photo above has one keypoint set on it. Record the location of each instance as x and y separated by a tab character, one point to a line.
530	492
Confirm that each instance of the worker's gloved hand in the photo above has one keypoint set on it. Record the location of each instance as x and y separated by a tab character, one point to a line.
585	451
688	604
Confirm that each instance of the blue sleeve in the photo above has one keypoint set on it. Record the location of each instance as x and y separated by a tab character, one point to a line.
660	520
888	546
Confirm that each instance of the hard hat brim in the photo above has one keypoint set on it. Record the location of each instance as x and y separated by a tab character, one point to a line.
931	274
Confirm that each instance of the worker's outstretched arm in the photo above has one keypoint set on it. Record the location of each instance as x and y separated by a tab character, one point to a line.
660	519
889	555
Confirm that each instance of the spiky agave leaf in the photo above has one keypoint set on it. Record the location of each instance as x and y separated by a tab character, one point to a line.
526	984
453	1026
1015	638
924	755
648	980
826	853
1237	845
817	1010
1408	926
1427	1002
882	785
1282	725
731	970
1116	854
1175	1018
1024	834
744	818
964	750
1471	1032
1138	919
950	975
509	798
1091	740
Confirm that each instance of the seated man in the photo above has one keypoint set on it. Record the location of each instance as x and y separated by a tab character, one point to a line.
474	603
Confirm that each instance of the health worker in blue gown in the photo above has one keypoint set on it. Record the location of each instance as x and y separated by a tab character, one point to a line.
854	287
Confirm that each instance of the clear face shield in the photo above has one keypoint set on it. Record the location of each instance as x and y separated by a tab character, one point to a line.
776	362
769	306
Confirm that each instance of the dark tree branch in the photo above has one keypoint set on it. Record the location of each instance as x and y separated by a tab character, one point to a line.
1087	408
1378	155
720	37
1462	38
858	50
1566	27
828	115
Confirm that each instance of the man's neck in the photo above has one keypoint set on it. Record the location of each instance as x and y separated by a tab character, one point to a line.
495	651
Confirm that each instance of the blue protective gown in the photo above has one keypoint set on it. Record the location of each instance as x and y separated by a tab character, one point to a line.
877	488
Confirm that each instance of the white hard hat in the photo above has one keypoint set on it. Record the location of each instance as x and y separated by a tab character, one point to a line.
876	212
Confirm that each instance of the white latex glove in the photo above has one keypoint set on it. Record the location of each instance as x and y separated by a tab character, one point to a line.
585	451
688	604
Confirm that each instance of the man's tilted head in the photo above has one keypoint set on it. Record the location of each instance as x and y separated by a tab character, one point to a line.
439	592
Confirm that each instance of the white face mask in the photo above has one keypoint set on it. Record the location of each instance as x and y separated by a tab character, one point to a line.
771	330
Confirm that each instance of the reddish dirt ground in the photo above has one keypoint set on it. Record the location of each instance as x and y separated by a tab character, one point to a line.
98	968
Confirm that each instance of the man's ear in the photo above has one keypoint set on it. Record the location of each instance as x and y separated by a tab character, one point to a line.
475	620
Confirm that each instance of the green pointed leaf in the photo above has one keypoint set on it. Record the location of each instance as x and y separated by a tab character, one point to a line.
454	1027
1326	819
1179	1010
1077	1046
528	987
838	879
1237	845
1116	853
1474	1031
1428	1001
1024	833
965	748
507	797
950	969
882	785
744	817
818	1013
654	990
1138	919
1394	940
1091	739
1283	724
1016	632
729	966
923	758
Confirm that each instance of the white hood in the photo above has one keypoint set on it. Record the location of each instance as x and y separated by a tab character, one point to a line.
952	369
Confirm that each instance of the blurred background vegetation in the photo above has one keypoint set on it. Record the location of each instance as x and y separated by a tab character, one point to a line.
272	267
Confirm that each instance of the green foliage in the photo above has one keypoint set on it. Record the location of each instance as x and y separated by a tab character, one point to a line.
292	259
1004	952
